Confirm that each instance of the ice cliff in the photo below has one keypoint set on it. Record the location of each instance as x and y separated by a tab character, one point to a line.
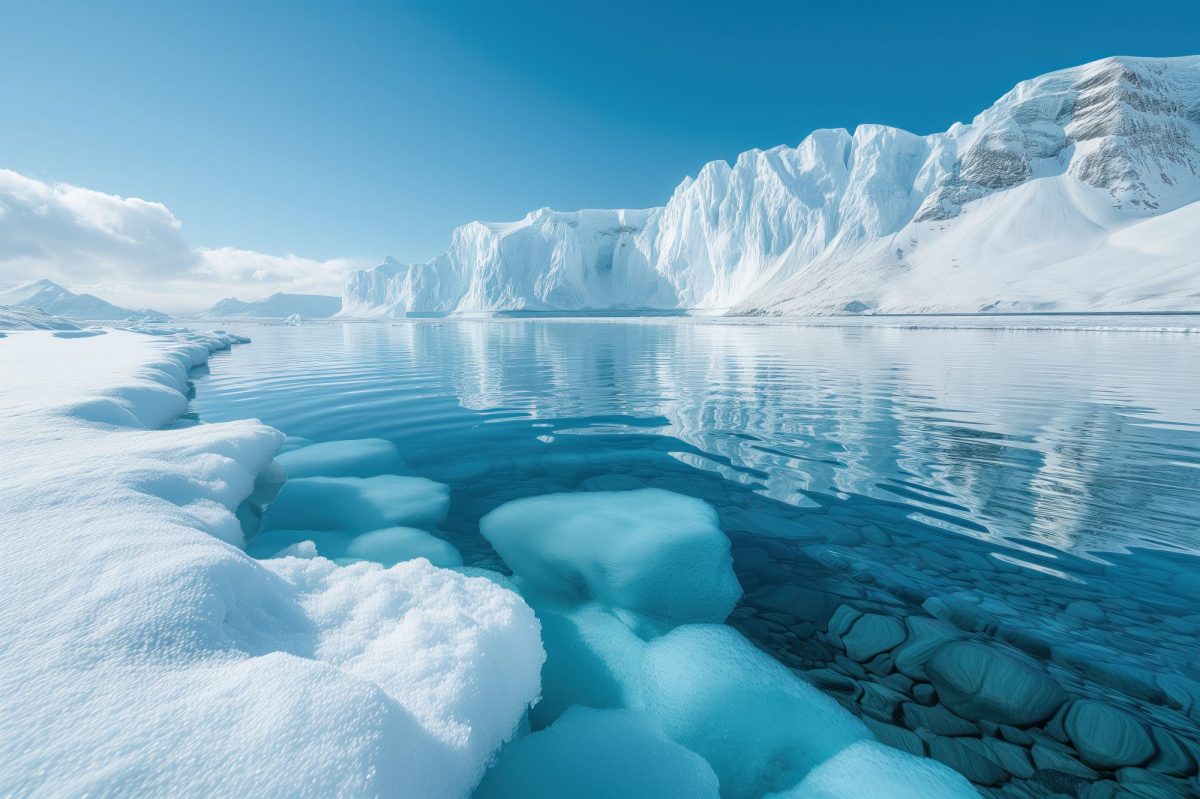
1077	190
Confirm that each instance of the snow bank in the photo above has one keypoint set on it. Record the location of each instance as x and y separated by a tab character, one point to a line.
145	654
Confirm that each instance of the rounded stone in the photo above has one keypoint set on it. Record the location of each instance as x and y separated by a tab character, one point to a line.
1086	611
872	634
1107	738
977	681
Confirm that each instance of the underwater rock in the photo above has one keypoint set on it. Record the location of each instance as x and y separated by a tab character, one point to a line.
872	634
978	681
925	636
1012	758
969	757
1172	757
896	737
937	720
1050	758
1107	738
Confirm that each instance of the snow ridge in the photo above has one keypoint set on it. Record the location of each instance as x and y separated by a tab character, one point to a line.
1075	191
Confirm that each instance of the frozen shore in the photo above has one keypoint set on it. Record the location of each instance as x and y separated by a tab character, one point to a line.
144	653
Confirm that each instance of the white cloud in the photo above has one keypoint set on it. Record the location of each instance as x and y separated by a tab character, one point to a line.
132	252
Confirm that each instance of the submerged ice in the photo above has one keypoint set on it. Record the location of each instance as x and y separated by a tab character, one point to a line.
644	692
631	587
354	655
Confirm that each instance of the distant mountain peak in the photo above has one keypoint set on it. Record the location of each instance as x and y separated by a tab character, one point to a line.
279	305
55	299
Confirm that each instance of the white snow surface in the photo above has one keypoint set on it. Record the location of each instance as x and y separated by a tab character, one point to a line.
1076	191
143	653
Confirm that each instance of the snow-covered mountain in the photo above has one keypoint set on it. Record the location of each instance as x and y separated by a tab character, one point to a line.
1075	191
48	296
277	306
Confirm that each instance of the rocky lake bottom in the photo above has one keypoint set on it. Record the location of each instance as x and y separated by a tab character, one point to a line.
982	542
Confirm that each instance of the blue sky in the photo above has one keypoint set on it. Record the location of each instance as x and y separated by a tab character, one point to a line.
361	129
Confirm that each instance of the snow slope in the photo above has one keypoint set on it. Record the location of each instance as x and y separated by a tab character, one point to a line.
145	654
48	296
1075	191
277	306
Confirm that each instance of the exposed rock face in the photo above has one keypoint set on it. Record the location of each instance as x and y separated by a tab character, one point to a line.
979	681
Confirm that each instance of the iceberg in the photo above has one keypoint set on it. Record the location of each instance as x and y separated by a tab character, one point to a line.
146	654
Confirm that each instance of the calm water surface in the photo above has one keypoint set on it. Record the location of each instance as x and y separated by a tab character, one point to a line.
998	479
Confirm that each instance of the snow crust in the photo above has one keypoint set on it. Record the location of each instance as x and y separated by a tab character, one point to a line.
144	653
1076	191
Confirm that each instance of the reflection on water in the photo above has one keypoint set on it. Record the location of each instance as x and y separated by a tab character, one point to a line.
1039	488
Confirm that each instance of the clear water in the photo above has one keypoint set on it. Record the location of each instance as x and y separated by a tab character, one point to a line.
1007	472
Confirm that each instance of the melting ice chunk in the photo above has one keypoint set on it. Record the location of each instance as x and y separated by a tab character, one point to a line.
602	754
363	457
758	725
868	770
649	551
357	503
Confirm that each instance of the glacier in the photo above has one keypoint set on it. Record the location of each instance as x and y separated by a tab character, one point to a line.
1076	191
